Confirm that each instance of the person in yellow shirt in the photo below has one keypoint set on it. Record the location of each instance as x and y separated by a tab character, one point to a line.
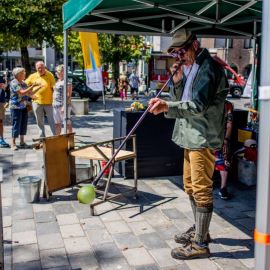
42	104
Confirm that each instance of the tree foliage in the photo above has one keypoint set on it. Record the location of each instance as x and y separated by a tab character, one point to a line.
29	22
121	47
74	46
113	48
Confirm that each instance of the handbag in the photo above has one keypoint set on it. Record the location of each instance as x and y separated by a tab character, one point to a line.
29	107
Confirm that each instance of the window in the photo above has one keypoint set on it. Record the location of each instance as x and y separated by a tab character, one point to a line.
230	43
248	43
221	43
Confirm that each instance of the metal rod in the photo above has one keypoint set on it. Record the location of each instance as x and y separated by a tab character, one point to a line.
65	79
1	226
103	98
262	248
132	130
254	71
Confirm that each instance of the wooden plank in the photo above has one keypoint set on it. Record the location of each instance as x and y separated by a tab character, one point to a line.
72	167
91	153
56	162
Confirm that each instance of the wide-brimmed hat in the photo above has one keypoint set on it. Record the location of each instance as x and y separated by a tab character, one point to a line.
181	38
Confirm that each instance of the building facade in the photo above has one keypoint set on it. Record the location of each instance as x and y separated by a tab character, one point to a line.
238	53
12	59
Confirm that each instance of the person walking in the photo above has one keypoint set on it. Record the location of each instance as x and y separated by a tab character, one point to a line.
223	155
199	91
3	143
42	105
134	85
58	101
123	86
19	100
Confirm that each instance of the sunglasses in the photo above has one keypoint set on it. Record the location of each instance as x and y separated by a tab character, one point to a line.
181	52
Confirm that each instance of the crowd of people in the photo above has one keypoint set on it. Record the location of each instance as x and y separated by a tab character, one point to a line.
125	83
40	93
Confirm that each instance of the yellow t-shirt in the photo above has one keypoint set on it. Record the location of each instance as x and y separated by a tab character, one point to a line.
45	94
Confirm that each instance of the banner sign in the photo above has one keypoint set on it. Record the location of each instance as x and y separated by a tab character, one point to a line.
92	65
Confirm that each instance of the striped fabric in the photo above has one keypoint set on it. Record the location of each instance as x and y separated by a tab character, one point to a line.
203	218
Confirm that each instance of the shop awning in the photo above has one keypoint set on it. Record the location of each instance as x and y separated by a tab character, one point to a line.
241	18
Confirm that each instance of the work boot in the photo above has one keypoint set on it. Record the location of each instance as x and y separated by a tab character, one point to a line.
191	251
188	236
185	238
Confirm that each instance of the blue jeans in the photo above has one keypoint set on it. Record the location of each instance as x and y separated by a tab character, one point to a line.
19	122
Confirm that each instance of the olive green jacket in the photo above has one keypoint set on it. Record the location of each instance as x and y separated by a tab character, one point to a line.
200	121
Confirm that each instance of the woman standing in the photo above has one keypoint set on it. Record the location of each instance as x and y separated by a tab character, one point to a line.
19	100
58	101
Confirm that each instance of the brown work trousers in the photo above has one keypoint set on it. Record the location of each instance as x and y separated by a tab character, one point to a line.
198	171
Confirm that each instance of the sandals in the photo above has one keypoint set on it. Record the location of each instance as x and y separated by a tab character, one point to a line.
14	147
20	146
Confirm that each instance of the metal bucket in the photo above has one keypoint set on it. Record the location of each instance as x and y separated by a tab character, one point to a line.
83	172
30	188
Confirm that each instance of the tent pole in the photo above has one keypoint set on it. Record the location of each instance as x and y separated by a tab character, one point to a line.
65	79
262	232
227	50
254	66
103	98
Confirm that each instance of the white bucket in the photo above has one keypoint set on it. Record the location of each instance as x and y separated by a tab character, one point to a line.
247	172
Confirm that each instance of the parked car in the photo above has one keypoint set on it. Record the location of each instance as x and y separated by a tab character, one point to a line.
81	90
236	82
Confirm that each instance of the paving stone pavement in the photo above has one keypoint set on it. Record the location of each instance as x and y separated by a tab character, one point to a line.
126	234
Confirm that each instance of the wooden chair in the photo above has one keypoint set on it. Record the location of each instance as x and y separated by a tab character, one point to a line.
59	168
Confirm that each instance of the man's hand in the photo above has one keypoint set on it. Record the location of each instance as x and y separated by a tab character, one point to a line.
33	96
36	84
158	106
37	88
179	74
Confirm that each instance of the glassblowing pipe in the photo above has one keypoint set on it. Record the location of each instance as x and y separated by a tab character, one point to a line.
95	182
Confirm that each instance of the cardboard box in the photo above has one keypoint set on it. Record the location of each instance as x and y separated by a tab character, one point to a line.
244	134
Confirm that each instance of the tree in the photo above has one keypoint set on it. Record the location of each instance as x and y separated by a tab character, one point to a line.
115	48
74	46
29	22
